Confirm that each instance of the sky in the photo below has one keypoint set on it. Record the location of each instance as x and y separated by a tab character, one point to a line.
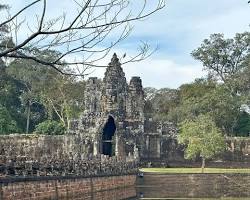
177	29
180	28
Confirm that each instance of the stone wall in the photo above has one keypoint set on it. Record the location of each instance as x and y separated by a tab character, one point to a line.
237	153
68	188
37	155
71	154
238	149
35	146
52	167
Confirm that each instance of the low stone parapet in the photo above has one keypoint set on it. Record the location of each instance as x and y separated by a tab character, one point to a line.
40	155
52	166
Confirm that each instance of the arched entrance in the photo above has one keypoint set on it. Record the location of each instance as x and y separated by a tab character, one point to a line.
107	134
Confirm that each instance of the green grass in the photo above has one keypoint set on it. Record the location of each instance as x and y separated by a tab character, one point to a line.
193	170
222	198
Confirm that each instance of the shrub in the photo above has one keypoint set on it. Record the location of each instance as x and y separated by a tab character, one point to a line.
50	127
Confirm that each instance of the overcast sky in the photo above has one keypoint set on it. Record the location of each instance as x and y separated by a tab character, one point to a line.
177	29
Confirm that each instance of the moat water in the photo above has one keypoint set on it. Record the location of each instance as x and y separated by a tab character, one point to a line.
177	187
185	186
194	186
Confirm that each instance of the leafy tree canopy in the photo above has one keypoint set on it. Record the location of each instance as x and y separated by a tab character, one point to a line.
202	138
7	124
224	59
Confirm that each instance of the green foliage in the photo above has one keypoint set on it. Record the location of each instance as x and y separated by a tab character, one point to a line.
10	91
191	97
32	92
243	80
218	102
160	103
63	95
7	124
203	96
194	170
222	57
220	95
36	92
243	125
47	94
197	89
202	137
50	127
32	76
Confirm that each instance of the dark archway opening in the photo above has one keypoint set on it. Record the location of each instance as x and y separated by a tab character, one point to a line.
107	134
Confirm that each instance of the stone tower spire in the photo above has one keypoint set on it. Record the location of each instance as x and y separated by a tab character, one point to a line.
135	102
114	60
114	89
114	71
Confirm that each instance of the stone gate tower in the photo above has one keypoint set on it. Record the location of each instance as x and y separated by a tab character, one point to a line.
113	117
113	122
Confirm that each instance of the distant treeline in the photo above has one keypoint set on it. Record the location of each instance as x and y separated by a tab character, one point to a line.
38	98
224	93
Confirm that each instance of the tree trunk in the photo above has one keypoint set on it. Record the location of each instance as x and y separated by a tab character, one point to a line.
28	118
202	165
68	124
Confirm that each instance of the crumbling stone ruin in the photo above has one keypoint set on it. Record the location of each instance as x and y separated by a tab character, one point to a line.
114	121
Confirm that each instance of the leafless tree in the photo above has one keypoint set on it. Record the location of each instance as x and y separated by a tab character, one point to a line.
81	36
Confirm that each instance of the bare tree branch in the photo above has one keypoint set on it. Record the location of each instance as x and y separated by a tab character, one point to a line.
88	33
18	13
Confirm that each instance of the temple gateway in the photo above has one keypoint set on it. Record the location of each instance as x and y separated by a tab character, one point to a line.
113	122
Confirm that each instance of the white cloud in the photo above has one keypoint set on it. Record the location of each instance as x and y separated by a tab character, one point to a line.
163	73
178	29
158	73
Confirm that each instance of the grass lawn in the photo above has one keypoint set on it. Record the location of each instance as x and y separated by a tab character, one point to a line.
222	198
193	170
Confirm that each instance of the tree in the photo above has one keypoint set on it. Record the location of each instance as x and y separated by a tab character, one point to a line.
10	91
197	89
7	124
83	37
47	92
190	98
243	125
160	103
209	97
224	58
243	80
33	77
202	138
63	95
227	60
